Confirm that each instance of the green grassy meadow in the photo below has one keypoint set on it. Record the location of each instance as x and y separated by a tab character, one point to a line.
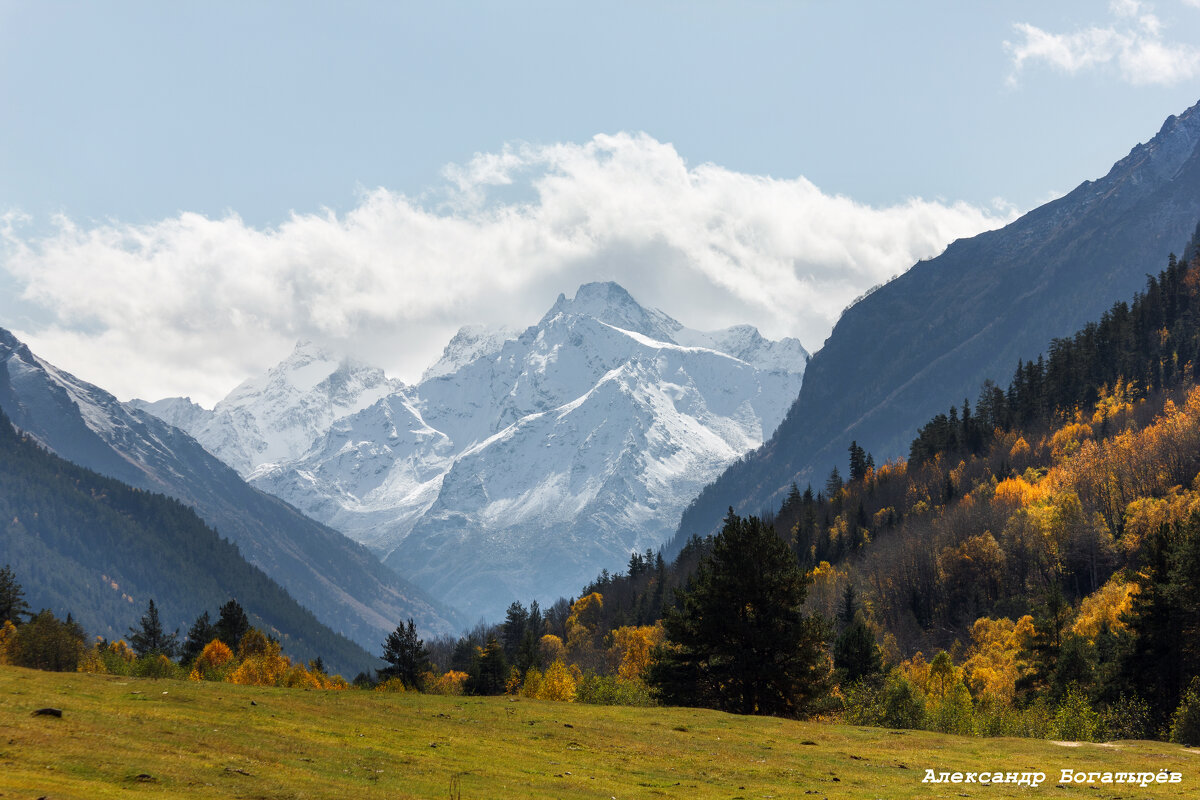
129	738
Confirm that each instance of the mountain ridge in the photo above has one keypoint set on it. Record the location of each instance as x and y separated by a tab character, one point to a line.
969	314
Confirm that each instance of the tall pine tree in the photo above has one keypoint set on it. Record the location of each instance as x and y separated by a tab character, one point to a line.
739	639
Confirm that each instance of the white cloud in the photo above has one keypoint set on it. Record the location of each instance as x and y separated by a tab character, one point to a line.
192	305
1133	44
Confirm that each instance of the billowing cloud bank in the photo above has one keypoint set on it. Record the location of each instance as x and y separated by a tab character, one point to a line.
191	305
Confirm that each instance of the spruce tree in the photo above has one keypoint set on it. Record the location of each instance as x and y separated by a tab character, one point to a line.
489	670
855	654
513	631
406	654
739	639
529	653
232	625
200	634
833	484
1049	632
858	462
149	637
12	597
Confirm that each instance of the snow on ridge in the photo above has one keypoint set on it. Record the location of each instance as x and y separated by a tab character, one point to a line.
471	342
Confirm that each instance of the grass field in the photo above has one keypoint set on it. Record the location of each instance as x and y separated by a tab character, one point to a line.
130	738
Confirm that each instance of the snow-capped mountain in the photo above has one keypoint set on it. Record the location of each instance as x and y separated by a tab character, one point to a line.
274	418
521	465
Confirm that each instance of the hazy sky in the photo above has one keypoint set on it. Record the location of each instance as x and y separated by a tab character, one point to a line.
189	188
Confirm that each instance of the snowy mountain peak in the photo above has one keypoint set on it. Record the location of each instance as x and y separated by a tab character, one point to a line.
470	343
608	302
276	416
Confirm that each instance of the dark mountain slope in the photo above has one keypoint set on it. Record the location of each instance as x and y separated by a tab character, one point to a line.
338	580
99	549
928	338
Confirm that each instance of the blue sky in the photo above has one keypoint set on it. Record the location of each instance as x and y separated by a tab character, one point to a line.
191	187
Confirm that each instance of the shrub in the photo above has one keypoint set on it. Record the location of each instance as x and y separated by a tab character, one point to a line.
1185	722
1075	718
903	703
610	690
954	713
46	642
8	637
864	703
156	665
118	658
91	661
1035	722
449	683
297	677
1128	718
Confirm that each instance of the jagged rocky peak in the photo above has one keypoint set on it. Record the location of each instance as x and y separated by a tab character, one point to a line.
1163	156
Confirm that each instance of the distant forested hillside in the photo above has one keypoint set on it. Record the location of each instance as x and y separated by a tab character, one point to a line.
99	549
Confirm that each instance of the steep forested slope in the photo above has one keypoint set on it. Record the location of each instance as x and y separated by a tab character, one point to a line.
100	550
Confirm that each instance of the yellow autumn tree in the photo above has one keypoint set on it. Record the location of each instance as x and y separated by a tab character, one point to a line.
92	661
551	648
122	651
631	648
558	683
8	634
532	684
916	670
993	663
213	662
1105	608
1066	440
582	625
262	663
942	676
828	585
